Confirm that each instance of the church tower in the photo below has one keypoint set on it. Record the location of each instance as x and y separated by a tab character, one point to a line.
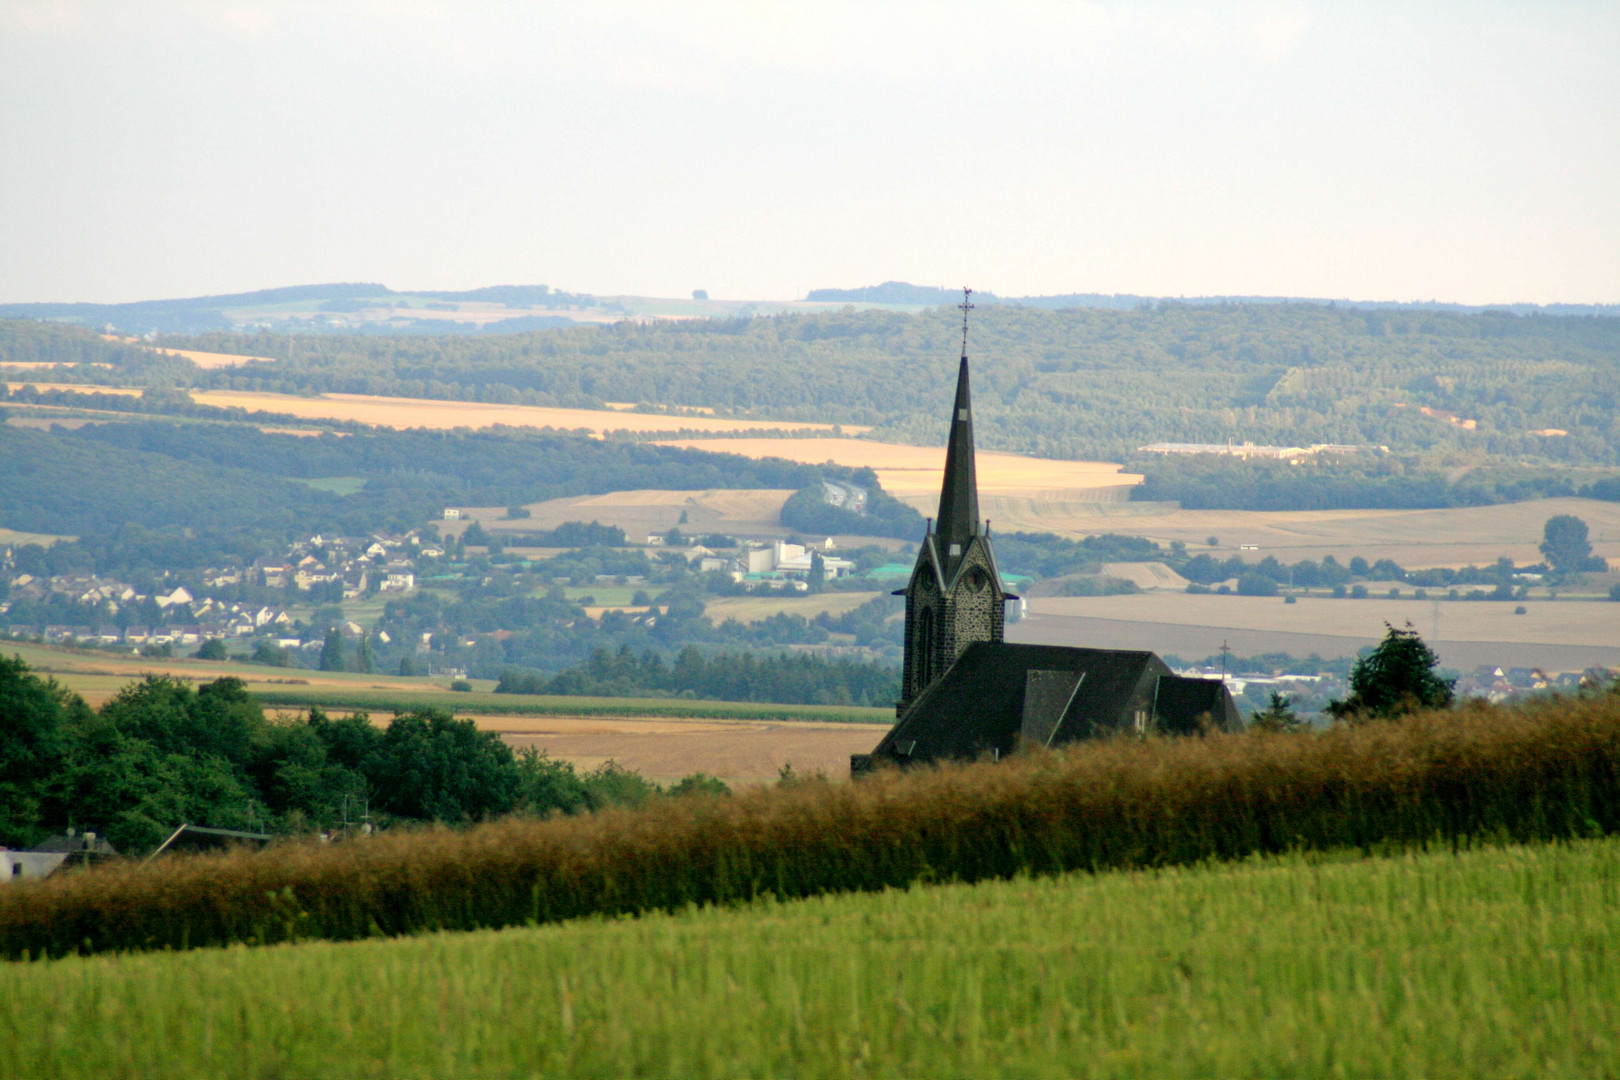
954	597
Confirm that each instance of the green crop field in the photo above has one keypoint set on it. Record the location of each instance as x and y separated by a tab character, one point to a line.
493	704
1493	962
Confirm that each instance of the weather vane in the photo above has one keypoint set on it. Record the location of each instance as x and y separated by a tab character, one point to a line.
966	305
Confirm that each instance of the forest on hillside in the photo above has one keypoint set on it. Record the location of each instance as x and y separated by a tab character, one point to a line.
1455	408
1074	383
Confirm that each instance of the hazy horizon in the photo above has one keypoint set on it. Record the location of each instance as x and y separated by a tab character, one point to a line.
1463	154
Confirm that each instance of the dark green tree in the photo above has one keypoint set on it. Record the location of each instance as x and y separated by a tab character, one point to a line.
1565	545
332	651
430	765
1278	715
363	659
213	649
33	713
1395	678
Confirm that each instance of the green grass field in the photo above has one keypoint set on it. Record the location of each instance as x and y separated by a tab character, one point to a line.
490	703
1493	962
337	485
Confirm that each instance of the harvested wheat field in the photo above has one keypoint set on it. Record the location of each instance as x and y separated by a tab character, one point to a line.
1413	538
78	388
913	473
739	752
201	359
398	412
216	359
750	609
1565	635
1145	576
1561	622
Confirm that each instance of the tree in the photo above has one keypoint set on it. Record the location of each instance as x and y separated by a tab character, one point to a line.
1278	715
1565	545
363	659
274	655
1395	678
332	651
1256	585
33	712
213	649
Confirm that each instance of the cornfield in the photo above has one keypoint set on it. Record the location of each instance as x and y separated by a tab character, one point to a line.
1480	774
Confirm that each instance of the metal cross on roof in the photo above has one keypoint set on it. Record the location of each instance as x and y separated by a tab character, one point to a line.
966	305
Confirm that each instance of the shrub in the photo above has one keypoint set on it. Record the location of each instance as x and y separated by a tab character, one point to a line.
1256	585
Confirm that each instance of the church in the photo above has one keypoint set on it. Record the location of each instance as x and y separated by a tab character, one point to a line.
966	693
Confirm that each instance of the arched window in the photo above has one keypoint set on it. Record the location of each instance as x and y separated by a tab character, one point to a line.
924	646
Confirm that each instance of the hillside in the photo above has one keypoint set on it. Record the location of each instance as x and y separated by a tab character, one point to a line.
1088	383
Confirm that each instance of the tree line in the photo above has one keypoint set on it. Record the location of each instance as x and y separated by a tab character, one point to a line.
786	678
161	753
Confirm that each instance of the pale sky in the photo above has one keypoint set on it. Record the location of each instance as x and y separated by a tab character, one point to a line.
1466	152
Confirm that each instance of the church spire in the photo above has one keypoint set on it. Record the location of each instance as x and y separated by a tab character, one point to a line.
959	495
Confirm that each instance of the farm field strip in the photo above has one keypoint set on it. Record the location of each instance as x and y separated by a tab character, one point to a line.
98	676
1413	538
751	609
401	412
405	412
1494	961
915	471
18	538
78	388
1563	622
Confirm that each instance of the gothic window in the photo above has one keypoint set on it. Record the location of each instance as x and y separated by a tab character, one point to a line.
925	647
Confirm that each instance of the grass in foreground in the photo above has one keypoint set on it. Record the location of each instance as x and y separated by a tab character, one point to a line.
1493	962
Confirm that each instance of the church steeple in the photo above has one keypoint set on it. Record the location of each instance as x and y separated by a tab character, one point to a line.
955	596
958	520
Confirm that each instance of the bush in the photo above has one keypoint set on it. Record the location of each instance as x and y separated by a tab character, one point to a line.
1256	585
461	686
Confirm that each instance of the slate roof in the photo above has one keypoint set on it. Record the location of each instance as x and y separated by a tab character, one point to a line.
998	697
